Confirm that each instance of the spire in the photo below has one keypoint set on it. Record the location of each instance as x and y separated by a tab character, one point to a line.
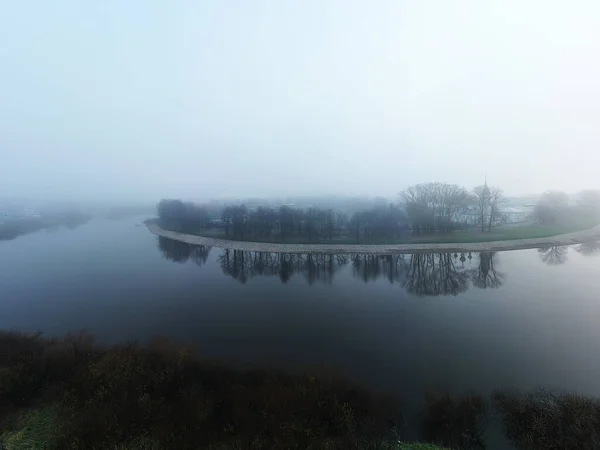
486	189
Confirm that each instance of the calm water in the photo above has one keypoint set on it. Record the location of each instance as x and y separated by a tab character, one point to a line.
459	322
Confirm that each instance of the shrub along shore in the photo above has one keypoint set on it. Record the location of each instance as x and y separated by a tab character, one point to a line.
70	394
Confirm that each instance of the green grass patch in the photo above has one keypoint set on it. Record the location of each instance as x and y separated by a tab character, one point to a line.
501	233
35	429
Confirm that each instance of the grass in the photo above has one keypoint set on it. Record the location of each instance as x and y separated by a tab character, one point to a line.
35	429
501	233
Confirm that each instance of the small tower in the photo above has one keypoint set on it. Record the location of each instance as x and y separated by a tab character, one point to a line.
486	189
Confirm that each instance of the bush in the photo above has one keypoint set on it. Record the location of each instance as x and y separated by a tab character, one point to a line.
132	397
455	423
547	420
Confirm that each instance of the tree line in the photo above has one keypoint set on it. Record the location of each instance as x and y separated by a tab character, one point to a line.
423	208
555	207
285	222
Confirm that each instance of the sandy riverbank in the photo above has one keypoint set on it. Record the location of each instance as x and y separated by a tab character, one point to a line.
577	237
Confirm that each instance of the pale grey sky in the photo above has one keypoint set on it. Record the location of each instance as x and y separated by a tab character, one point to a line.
144	99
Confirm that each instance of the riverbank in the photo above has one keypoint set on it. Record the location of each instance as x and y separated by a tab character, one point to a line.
576	237
13	228
69	393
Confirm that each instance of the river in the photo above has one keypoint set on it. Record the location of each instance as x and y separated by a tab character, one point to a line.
460	322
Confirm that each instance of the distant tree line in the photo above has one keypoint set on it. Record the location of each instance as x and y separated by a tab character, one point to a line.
285	222
554	207
14	227
182	216
423	209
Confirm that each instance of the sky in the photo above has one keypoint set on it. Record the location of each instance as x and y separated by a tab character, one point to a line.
144	99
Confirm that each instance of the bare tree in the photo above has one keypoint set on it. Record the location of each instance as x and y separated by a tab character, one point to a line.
434	206
496	198
482	201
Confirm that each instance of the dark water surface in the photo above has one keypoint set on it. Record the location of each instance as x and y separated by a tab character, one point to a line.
519	319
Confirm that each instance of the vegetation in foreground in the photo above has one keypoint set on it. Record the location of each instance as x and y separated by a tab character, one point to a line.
426	213
70	394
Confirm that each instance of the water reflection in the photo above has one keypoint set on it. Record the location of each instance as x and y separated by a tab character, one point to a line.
421	274
180	252
243	265
372	267
432	274
588	248
486	275
199	254
554	256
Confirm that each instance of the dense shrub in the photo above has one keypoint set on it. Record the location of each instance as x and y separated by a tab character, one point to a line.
160	396
456	423
547	420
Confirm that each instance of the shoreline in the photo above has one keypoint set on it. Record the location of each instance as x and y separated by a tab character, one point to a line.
576	237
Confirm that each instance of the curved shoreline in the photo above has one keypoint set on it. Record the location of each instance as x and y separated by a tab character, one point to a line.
576	237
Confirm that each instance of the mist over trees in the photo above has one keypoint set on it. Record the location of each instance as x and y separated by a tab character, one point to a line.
554	207
285	222
422	209
177	214
551	207
435	206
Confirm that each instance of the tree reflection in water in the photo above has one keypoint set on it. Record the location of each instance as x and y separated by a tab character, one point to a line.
199	254
421	274
432	274
371	267
554	256
174	250
180	252
243	265
486	275
588	248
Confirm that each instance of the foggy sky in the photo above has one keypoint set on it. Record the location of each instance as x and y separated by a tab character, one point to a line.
144	99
